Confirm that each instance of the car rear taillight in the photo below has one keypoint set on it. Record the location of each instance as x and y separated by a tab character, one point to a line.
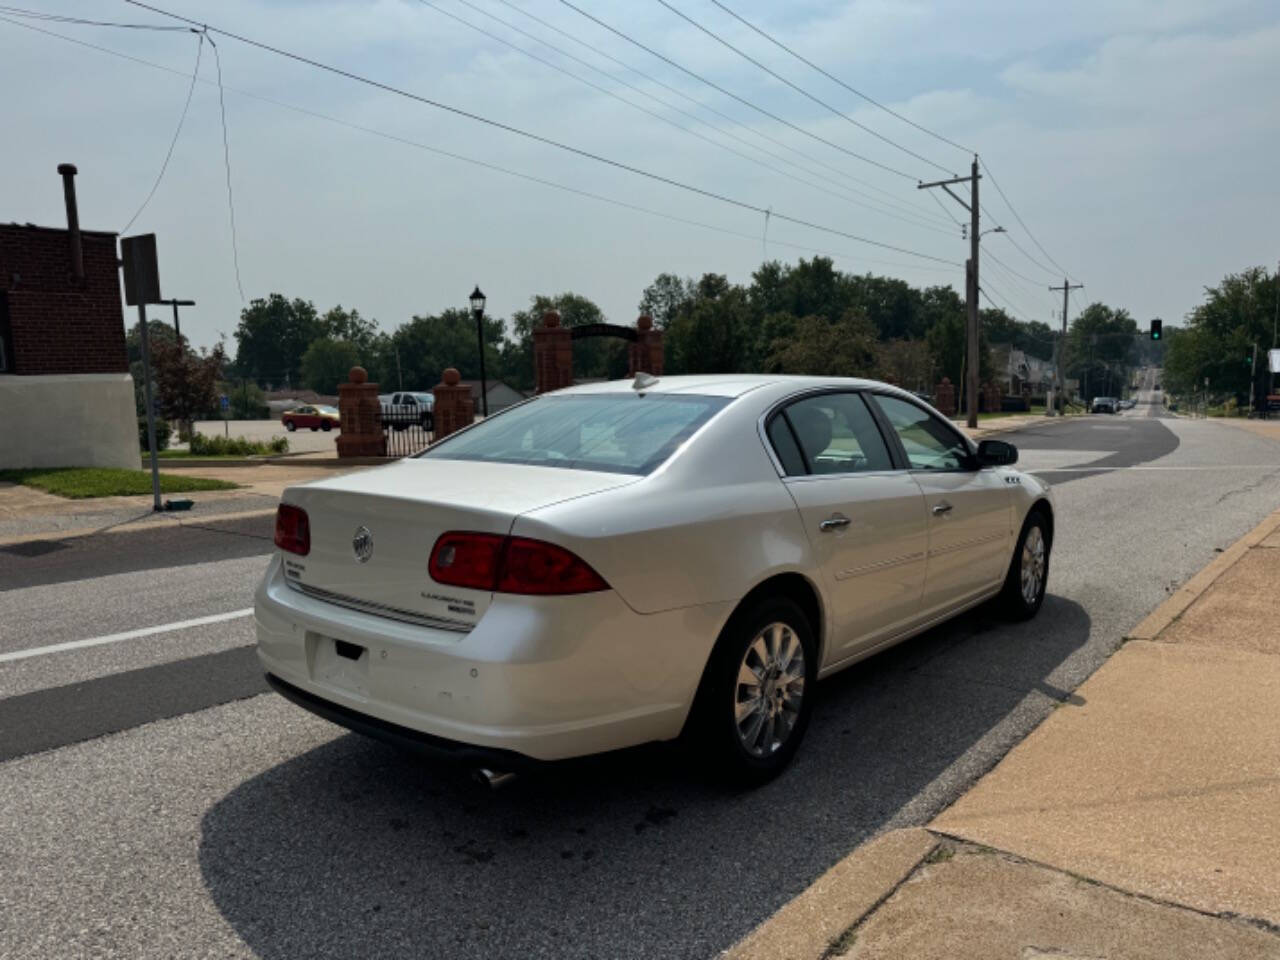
293	529
486	561
466	560
533	566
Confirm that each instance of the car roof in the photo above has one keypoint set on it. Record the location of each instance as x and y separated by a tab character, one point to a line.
722	384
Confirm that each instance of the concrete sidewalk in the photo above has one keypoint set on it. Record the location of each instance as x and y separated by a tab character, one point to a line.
1142	819
28	514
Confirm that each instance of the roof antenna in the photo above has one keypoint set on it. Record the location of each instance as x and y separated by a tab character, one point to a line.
643	381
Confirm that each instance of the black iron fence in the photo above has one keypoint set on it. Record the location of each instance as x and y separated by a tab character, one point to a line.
408	429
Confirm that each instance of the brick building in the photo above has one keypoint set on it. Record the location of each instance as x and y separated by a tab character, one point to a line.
65	389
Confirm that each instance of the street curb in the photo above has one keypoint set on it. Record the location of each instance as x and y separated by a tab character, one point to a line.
145	522
806	927
290	460
1162	616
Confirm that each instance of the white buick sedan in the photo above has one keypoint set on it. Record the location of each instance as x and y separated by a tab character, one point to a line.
626	562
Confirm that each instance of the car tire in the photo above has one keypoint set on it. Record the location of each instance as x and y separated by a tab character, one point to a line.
1022	595
290	426
326	426
745	746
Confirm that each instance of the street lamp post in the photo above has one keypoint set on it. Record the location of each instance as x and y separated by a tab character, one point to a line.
477	311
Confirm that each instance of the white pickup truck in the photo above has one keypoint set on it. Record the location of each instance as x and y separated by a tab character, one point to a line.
405	408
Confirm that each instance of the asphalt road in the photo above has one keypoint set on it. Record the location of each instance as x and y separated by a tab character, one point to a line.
157	805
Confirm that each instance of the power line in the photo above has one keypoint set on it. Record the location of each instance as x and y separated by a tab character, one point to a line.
1018	313
1014	211
657	116
715	86
480	163
895	202
226	159
805	93
1022	276
559	145
59	18
195	73
837	80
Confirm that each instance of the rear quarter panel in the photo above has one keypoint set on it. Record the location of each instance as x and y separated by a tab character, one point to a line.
706	527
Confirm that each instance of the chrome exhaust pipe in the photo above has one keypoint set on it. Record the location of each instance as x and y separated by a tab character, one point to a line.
493	779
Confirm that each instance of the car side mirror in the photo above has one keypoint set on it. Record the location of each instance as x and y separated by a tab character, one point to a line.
997	453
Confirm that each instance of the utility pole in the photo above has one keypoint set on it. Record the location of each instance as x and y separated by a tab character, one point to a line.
971	284
177	333
1066	288
1253	374
145	340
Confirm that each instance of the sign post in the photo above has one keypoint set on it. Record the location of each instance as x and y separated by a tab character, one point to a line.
142	286
225	403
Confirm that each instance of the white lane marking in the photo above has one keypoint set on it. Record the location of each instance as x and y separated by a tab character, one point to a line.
127	635
1217	469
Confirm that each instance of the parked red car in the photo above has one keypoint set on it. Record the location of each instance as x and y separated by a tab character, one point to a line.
315	416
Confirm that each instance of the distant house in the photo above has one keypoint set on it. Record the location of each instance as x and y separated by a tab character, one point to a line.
65	387
501	394
1018	372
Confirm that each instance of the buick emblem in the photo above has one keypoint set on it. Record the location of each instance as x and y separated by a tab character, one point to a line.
362	545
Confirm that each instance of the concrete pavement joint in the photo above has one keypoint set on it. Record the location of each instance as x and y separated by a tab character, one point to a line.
961	844
841	944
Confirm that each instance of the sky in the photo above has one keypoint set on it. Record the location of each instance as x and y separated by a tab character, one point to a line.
1136	140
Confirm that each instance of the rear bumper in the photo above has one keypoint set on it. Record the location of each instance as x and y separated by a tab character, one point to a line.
543	678
405	738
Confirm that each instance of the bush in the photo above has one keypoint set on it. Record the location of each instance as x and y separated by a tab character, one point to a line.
163	433
215	446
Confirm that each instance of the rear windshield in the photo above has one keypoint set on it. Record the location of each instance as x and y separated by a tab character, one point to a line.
612	432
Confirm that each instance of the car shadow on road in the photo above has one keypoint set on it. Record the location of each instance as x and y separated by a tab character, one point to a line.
355	850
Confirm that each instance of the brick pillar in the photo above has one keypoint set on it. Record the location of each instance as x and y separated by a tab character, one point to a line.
944	397
360	416
646	354
994	396
454	407
552	354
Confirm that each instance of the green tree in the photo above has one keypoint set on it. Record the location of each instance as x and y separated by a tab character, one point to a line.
186	382
907	363
157	332
327	363
846	348
1220	335
717	332
665	298
246	399
428	345
272	336
342	324
1100	350
592	357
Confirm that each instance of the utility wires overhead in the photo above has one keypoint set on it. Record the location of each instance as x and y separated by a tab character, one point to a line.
834	79
527	134
805	93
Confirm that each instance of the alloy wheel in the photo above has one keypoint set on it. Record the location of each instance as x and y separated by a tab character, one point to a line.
1033	564
769	690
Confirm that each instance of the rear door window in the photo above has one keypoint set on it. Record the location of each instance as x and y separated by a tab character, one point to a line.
835	433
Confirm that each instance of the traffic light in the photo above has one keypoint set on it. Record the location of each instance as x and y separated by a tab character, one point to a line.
1157	328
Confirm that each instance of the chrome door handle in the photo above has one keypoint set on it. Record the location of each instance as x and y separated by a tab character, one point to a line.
834	522
941	507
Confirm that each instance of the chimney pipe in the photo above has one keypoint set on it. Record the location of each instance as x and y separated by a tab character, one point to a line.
68	171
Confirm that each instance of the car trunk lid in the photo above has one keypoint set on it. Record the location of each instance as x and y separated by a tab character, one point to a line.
372	531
